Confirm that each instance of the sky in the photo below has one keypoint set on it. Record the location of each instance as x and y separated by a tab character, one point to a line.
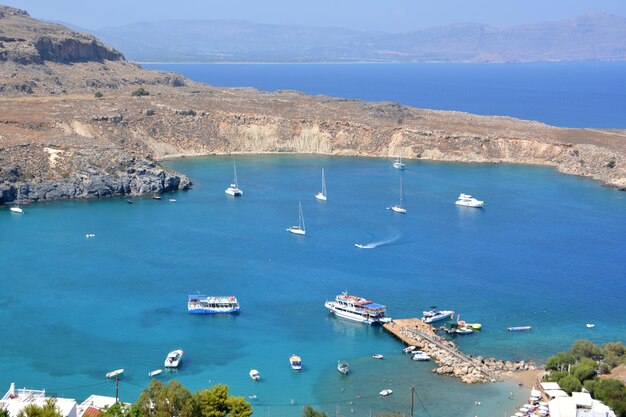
378	15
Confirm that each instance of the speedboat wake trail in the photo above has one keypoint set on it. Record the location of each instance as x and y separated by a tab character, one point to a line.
376	244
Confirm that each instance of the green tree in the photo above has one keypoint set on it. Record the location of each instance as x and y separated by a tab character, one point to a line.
613	393
98	94
556	376
239	407
560	361
586	349
585	370
49	409
216	402
570	384
4	412
616	348
309	411
140	92
121	410
160	400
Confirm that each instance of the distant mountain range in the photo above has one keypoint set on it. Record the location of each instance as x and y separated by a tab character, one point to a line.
593	36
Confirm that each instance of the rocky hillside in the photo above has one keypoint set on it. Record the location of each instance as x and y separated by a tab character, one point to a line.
58	140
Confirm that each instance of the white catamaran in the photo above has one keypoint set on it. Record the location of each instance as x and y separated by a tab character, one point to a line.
234	188
399	208
300	229
322	195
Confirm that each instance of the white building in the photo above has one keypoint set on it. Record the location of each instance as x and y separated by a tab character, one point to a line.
580	404
15	400
93	405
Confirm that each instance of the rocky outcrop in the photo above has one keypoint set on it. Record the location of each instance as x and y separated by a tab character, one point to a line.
34	42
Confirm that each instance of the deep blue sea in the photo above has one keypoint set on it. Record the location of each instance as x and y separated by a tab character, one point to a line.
588	94
547	251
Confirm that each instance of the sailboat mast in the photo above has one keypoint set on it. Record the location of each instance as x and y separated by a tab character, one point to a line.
235	170
300	216
401	193
323	183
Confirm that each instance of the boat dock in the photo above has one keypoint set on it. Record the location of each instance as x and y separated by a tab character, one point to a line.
449	358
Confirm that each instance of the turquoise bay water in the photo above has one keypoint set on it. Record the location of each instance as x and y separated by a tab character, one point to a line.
569	94
548	251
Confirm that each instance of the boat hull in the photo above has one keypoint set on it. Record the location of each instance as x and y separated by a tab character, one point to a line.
320	196
352	316
213	311
17	210
234	193
397	209
477	204
296	231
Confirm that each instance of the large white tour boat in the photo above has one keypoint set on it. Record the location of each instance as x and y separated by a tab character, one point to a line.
201	304
356	308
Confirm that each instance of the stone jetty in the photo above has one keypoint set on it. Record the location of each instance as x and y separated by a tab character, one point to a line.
449	358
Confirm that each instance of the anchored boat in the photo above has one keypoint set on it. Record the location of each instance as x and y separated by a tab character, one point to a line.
254	374
519	328
295	362
300	229
233	189
435	315
399	208
115	373
467	200
155	373
173	358
353	307
343	367
322	195
201	304
420	356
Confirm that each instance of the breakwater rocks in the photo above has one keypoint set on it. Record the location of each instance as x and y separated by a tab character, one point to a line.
450	359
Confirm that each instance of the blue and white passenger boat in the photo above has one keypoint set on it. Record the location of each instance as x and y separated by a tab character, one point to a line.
356	308
202	304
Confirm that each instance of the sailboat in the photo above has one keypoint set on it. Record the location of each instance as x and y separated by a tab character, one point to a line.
300	229
399	208
322	195
16	208
397	164
234	188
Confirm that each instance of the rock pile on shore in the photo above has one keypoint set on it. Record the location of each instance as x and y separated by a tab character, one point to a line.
451	361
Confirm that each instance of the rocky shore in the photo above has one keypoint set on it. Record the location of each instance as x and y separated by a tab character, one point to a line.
450	359
70	126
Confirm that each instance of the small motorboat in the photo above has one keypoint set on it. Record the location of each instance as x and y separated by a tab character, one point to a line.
409	349
343	367
463	330
377	356
90	235
252	397
295	362
115	373
17	210
173	358
172	200
366	246
519	328
129	201
386	392
420	356
155	373
156	197
590	325
254	374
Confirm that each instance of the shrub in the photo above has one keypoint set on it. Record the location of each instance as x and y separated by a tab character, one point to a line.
586	349
98	94
140	92
570	384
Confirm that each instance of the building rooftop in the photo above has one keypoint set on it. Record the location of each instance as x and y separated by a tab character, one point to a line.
97	402
15	400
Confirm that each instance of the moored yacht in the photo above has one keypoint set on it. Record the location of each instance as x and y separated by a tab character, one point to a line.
233	189
467	200
322	195
173	358
254	374
397	164
399	208
295	362
420	356
201	304
16	208
356	308
435	315
300	229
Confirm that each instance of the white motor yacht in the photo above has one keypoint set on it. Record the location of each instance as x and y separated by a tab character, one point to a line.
115	373
173	358
386	392
343	367
420	356
254	374
467	200
435	315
